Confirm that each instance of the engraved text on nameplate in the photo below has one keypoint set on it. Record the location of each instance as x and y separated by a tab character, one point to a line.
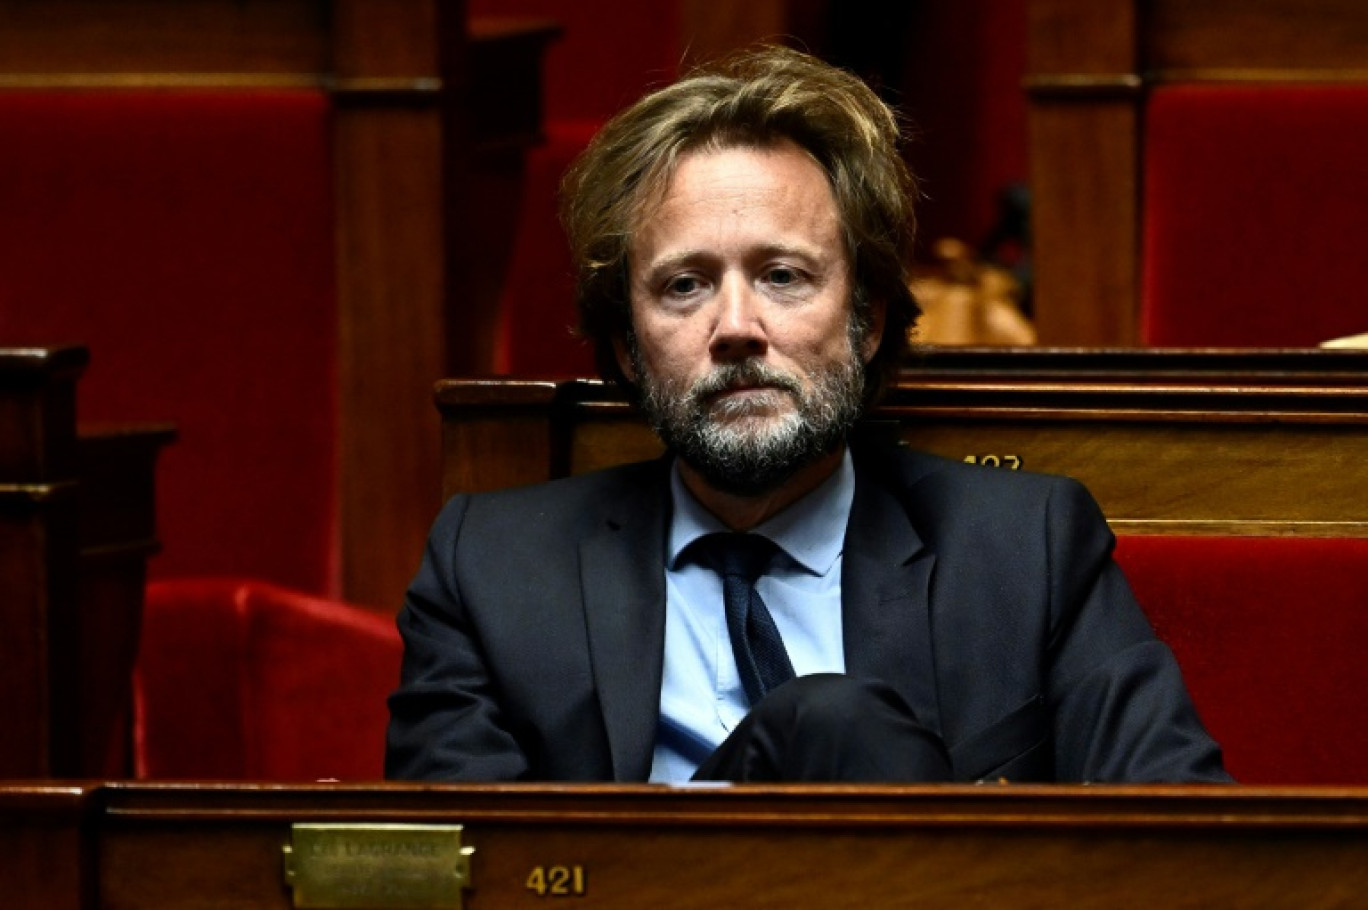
377	865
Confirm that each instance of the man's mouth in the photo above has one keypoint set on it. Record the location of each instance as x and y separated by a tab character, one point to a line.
742	398
745	390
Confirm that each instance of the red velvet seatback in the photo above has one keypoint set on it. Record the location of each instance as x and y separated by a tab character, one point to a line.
186	237
1270	633
1255	215
241	680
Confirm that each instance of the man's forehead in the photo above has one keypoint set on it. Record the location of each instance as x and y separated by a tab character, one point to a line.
771	197
657	184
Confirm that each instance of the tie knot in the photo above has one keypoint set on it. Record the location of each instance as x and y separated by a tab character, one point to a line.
730	554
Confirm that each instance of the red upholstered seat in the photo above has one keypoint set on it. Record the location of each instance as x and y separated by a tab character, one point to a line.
1256	210
1270	633
244	680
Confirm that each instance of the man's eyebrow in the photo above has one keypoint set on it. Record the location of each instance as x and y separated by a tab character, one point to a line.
811	253
676	259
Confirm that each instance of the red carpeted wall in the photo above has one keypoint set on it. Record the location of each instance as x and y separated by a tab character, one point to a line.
1269	632
1256	210
186	237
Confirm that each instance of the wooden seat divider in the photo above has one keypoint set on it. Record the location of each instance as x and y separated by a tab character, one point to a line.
77	525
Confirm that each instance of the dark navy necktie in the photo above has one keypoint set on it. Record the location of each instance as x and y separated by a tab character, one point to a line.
740	559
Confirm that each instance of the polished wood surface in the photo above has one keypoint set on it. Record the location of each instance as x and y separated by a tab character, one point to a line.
1089	65
77	526
1084	133
46	846
1267	40
1089	212
117	534
1179	442
38	543
154	846
63	37
393	333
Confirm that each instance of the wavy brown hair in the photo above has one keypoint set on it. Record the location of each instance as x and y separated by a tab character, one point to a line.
758	98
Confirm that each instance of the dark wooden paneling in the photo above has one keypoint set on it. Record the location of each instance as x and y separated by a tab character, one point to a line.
1084	143
756	846
117	529
77	525
1168	442
38	546
496	434
1265	39
46	854
1081	37
163	36
392	333
38	411
1085	220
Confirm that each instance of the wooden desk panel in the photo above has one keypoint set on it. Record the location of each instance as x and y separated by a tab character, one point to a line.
162	846
1176	442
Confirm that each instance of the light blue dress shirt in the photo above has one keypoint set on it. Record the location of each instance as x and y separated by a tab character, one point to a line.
701	697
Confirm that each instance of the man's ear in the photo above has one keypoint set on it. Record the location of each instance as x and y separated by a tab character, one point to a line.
878	316
624	357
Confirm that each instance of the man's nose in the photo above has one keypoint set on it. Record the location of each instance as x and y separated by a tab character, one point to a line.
739	332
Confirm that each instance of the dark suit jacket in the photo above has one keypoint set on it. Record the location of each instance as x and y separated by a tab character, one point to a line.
534	631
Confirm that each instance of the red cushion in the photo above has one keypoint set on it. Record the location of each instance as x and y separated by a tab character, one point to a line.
244	680
1256	210
186	237
1270	634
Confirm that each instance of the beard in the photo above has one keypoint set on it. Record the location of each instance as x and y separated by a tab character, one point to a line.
747	446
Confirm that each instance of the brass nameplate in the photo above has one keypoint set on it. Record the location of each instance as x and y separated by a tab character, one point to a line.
415	867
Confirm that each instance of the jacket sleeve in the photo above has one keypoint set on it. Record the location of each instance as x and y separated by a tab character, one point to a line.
445	720
1121	712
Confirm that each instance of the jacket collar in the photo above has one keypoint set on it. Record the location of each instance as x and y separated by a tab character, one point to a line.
885	594
623	586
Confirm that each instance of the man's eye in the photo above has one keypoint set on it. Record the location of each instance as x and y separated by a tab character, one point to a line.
783	276
682	285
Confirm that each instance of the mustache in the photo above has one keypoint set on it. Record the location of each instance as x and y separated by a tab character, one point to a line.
747	373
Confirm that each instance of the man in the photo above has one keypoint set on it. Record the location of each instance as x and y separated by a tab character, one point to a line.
740	238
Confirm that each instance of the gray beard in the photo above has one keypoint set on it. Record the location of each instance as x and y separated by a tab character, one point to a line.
721	441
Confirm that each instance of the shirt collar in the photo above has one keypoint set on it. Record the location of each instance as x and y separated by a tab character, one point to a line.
811	531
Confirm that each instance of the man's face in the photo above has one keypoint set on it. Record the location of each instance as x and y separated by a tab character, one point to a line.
745	349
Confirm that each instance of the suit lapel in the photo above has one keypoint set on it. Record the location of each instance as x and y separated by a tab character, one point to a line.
885	584
622	579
